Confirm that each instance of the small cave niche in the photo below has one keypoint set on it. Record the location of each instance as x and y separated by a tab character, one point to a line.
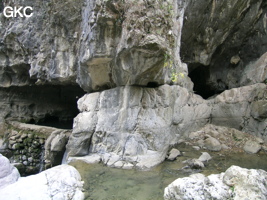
152	84
200	75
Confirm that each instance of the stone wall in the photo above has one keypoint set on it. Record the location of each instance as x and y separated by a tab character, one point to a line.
34	148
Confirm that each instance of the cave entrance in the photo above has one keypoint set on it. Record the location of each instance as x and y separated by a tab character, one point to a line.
200	75
61	106
47	105
54	121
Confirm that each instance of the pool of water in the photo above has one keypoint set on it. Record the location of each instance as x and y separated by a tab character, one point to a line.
105	183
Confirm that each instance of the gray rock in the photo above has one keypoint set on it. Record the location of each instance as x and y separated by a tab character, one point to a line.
259	109
3	145
198	187
173	154
246	183
137	124
232	108
194	164
196	148
211	43
212	144
61	182
236	183
8	173
55	146
252	146
255	72
204	157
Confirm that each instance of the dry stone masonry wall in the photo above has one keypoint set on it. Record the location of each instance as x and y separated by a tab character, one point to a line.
34	148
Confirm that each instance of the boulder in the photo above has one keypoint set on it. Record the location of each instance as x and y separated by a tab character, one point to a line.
135	125
205	157
132	122
252	146
198	187
194	164
236	183
173	154
8	173
62	182
212	144
246	183
55	147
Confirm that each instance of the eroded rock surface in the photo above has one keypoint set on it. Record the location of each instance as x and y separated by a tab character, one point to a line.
220	39
61	182
135	47
236	183
135	125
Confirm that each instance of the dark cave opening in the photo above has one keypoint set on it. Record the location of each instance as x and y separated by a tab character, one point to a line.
47	105
152	84
200	75
54	121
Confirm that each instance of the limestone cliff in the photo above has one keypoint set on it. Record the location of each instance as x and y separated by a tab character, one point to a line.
138	60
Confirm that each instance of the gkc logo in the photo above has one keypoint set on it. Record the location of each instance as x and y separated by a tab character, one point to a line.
18	12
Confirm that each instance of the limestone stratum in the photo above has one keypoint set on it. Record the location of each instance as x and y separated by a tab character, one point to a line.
126	83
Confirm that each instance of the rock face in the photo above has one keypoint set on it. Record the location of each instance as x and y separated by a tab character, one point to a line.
42	47
124	43
216	36
61	182
38	60
135	125
140	51
242	108
8	173
236	183
39	104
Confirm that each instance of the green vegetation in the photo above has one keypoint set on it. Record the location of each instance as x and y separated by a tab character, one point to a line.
168	62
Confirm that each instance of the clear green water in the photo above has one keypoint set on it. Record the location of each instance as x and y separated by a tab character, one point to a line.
104	183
